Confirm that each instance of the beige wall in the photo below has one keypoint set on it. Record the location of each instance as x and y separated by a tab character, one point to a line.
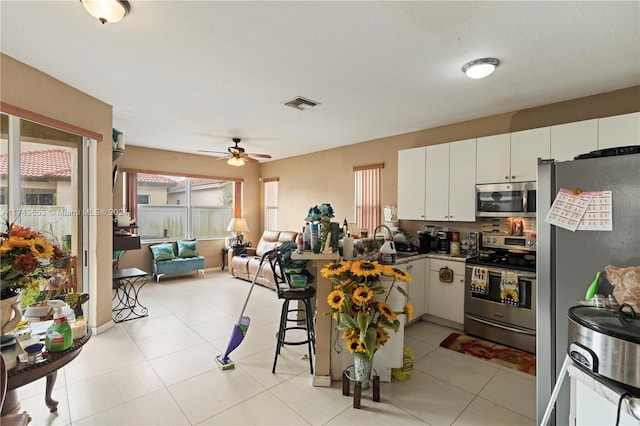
327	176
31	90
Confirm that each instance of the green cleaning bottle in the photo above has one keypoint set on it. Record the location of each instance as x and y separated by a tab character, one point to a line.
59	335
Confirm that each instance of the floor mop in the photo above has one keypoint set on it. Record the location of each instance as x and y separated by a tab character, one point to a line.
240	329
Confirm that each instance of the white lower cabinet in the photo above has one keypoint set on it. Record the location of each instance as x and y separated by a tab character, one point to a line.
446	300
593	408
419	285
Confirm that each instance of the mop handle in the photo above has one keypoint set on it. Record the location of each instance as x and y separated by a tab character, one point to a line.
556	391
255	277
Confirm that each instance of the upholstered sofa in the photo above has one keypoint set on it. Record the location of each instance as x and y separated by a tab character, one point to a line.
246	265
175	257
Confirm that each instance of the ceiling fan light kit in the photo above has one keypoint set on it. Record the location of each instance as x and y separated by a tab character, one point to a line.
235	161
480	68
107	11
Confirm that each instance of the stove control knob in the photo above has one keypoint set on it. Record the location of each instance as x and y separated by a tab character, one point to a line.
493	240
532	243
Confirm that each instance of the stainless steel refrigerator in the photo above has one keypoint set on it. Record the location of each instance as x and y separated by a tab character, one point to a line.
567	262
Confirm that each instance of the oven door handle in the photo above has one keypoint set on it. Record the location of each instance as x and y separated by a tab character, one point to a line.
484	321
498	272
520	276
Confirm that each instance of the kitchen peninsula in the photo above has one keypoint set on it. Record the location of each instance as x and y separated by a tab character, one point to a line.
329	363
322	374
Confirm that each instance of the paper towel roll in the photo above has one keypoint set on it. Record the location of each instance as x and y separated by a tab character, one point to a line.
347	248
124	220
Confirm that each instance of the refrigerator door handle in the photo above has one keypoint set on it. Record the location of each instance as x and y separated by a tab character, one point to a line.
516	330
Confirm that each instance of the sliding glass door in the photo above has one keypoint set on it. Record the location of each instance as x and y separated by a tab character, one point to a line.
41	183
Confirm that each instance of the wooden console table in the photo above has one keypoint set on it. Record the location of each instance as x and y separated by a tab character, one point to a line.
25	373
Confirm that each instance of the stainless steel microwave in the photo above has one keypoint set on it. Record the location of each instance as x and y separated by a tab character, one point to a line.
506	199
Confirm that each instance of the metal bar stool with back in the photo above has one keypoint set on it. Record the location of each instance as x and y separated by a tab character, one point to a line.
302	297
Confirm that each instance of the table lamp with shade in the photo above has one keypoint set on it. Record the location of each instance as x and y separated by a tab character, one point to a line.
238	225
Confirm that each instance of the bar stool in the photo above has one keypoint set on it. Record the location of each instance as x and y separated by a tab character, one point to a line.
288	295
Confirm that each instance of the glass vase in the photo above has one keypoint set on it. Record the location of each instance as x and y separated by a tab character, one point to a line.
362	366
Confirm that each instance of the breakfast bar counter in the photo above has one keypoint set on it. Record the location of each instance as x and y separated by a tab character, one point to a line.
322	375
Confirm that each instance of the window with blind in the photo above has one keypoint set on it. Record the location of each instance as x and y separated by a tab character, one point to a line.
270	204
367	194
173	207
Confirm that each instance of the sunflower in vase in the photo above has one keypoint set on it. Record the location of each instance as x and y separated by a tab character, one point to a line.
359	302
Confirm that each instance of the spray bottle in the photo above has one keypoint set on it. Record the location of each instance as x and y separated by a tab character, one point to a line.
59	335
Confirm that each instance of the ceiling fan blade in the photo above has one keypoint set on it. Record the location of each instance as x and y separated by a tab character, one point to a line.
249	159
213	152
258	155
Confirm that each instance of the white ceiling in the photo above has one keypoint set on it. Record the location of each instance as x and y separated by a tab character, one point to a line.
185	75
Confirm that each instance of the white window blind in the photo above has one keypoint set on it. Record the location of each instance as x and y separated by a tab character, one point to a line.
367	191
270	204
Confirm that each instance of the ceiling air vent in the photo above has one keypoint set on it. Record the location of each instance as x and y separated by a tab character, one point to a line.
301	103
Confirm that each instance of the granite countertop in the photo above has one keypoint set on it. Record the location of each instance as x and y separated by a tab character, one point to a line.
406	259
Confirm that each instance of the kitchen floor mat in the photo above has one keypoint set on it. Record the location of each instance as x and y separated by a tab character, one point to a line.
493	352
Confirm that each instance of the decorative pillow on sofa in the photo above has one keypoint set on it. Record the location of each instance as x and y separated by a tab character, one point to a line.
187	249
162	251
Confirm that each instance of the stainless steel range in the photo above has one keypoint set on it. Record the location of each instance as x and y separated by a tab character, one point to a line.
500	292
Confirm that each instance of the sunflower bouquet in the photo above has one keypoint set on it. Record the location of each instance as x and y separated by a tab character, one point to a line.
27	259
359	302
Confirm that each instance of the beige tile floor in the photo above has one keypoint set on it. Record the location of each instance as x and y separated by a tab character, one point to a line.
160	370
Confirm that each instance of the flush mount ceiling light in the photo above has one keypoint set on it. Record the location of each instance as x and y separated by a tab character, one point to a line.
235	161
480	68
107	10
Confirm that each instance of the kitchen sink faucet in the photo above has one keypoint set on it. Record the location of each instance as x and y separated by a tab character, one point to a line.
382	226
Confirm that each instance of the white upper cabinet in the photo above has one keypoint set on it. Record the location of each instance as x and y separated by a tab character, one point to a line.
462	181
437	188
411	183
512	157
450	181
526	147
494	163
619	130
571	139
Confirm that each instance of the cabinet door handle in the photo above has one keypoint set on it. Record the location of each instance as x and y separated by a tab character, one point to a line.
513	177
506	177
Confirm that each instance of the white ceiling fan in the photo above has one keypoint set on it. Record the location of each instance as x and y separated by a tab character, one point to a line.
235	155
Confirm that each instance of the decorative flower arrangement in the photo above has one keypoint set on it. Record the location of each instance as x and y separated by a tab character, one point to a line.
323	212
359	302
27	259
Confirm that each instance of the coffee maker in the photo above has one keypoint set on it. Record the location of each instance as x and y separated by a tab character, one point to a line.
425	241
443	241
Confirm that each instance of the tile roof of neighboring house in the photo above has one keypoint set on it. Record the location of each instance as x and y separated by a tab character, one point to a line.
55	164
47	163
157	180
